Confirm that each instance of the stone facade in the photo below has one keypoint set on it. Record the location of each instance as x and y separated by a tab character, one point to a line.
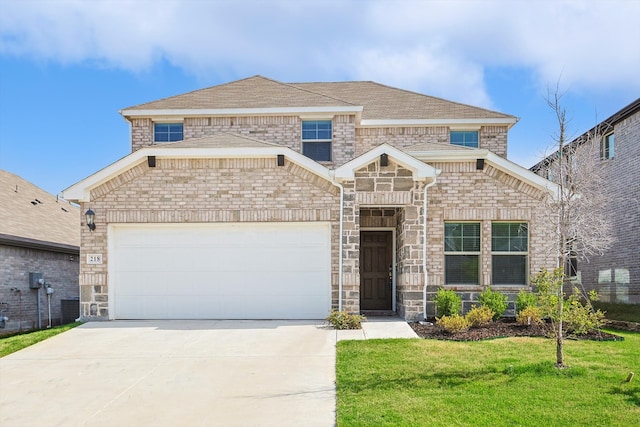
20	303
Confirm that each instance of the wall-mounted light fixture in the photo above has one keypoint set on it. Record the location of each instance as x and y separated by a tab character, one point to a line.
91	216
384	159
280	159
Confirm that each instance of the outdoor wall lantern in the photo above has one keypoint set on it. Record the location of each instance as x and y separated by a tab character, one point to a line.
90	215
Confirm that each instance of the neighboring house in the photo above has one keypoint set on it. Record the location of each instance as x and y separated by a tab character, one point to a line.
261	199
38	234
616	273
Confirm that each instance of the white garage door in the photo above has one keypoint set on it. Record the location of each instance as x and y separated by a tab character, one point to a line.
220	271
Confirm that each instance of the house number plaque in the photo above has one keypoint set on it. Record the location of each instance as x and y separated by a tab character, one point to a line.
94	259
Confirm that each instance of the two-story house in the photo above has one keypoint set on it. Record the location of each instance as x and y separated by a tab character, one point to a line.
616	273
259	199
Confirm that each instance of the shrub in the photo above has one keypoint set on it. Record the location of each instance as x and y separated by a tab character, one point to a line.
453	324
448	302
525	300
495	301
581	318
479	316
343	320
530	315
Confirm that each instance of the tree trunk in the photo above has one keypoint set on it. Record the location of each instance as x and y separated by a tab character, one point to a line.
559	337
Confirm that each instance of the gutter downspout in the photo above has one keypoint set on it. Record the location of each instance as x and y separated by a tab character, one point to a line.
340	239
424	252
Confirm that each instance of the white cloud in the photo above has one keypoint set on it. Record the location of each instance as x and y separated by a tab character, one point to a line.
441	48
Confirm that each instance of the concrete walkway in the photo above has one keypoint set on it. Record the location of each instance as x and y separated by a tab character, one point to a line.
181	373
379	327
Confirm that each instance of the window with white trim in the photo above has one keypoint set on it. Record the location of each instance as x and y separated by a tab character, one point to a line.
462	253
316	139
608	146
464	138
167	132
509	253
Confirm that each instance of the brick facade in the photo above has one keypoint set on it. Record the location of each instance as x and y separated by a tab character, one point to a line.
20	303
388	197
202	191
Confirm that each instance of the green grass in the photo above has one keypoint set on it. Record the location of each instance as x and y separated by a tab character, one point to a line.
13	343
624	312
502	382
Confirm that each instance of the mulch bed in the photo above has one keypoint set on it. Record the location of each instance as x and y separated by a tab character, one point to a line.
502	329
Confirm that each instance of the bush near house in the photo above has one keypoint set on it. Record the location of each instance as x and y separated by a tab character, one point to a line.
495	301
479	316
525	300
454	323
448	303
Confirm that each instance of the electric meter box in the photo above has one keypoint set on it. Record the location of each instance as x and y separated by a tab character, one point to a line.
35	280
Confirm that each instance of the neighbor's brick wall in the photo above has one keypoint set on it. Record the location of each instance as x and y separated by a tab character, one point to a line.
58	269
203	190
616	274
463	193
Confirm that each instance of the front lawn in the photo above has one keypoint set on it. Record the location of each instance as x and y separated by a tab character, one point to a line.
501	382
14	343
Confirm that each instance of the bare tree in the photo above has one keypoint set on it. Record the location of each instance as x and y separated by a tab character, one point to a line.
577	216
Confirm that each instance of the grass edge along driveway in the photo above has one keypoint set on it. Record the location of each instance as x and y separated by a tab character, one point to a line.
12	343
509	381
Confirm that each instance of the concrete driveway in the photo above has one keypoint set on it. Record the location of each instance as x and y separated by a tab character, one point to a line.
174	373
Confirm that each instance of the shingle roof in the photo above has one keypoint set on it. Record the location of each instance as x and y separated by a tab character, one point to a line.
434	146
220	140
28	212
386	102
380	102
252	92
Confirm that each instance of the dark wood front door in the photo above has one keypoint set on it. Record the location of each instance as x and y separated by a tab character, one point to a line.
376	261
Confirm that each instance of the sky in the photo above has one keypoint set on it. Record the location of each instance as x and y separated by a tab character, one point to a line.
67	67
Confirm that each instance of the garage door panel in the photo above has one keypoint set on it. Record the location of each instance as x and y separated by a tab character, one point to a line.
233	271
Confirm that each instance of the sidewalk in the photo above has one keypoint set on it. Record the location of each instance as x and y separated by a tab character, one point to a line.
378	327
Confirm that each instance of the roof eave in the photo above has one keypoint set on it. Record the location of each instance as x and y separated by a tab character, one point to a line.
496	161
184	112
420	170
81	191
460	123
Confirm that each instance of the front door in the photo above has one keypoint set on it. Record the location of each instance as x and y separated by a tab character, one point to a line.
376	263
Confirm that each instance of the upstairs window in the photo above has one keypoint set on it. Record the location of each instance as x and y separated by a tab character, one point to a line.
167	132
607	147
509	250
316	140
464	138
462	253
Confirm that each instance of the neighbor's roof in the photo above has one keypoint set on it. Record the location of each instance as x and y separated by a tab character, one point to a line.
32	217
373	102
601	128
